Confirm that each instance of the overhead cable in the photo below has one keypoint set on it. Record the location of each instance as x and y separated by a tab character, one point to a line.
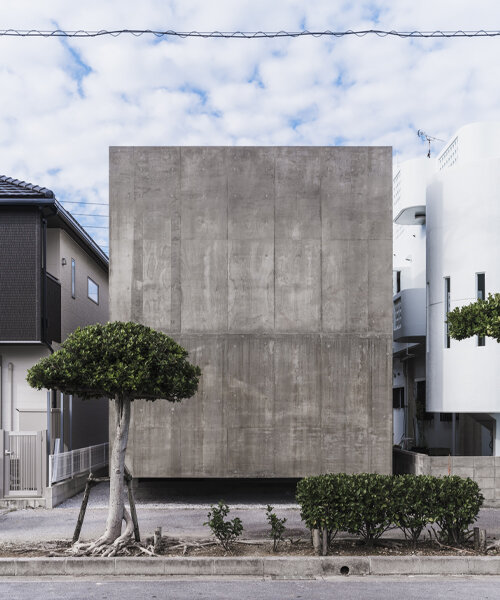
247	34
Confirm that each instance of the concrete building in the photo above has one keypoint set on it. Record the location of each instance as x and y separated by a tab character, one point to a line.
53	278
447	254
272	267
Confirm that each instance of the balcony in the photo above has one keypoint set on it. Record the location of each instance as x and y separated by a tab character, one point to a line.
409	323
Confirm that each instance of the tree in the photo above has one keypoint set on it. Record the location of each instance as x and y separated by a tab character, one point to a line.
479	318
122	362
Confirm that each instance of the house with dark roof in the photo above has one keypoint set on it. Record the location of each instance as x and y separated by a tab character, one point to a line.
53	278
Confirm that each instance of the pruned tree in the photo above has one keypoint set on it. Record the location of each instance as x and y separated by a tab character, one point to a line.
122	362
479	318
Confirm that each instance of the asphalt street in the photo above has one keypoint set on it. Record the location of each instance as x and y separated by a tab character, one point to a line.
372	588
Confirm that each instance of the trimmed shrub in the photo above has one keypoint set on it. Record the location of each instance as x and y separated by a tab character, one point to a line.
369	504
415	503
458	501
371	509
324	502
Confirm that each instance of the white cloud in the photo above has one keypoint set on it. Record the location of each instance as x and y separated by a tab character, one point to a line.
64	102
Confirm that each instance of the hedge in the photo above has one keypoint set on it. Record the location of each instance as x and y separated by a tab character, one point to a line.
368	504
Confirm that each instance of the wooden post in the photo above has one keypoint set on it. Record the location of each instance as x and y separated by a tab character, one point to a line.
316	541
157	539
324	549
479	539
131	501
83	508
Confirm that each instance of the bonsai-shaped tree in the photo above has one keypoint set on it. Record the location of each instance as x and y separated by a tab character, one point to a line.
479	318
122	362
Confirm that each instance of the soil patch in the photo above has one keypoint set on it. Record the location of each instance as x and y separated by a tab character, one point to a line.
299	547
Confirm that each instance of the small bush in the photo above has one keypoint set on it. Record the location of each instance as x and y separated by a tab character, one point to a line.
371	509
226	532
415	504
324	502
458	501
277	527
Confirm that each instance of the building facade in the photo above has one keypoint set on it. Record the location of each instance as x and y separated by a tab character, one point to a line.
53	278
272	267
447	254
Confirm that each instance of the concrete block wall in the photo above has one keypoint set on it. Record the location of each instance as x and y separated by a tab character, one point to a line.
272	267
485	470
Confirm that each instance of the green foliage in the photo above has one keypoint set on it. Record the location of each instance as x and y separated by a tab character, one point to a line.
479	318
369	504
118	359
324	502
371	507
277	527
225	531
458	501
415	503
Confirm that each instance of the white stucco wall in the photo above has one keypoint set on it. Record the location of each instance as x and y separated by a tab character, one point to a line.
463	239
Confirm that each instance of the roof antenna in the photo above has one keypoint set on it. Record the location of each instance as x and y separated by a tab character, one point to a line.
424	137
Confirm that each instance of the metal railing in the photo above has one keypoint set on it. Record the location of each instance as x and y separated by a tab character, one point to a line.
68	464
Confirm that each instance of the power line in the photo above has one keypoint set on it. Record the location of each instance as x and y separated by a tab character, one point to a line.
83	202
87	215
94	226
247	34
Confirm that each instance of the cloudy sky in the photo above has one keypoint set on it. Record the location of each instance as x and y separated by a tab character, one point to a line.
63	102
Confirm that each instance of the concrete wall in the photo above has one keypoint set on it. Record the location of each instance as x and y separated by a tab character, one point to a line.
485	470
272	267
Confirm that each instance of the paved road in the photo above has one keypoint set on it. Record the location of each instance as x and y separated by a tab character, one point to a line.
372	588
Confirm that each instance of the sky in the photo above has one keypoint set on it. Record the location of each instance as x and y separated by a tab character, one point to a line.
63	102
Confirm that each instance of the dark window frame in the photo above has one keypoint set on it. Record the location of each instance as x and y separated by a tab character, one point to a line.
90	280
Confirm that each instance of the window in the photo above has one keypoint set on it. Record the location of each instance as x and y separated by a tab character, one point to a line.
447	289
92	290
420	402
398	397
73	278
396	282
481	295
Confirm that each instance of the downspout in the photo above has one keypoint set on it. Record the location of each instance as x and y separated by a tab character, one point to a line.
11	378
45	341
1	396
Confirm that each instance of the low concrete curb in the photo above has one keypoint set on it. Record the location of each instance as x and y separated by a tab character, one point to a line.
260	566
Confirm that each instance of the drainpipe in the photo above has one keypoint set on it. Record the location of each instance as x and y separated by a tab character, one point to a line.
1	396
10	367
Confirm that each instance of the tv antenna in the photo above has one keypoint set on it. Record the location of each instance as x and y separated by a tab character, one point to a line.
425	137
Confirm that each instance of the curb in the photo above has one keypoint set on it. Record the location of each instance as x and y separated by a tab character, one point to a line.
261	567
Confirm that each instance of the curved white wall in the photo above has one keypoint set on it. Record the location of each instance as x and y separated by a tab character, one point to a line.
463	238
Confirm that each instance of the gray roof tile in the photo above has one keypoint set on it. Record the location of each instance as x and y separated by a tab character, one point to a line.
13	188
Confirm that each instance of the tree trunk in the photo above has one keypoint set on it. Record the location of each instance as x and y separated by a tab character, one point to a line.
117	470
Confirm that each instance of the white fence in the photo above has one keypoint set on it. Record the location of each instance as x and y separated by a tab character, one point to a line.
68	464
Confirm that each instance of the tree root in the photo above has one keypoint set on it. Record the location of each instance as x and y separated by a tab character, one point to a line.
123	545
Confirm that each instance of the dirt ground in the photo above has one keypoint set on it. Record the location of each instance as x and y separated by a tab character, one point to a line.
289	547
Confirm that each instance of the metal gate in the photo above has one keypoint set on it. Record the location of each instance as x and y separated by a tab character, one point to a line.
23	463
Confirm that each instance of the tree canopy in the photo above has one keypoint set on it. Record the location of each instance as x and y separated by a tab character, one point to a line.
118	359
479	318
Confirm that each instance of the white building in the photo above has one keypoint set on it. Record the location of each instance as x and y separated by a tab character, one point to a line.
447	254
